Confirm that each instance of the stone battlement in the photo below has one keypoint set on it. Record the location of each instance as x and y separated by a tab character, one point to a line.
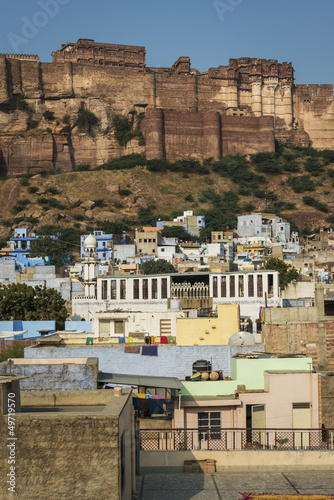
21	57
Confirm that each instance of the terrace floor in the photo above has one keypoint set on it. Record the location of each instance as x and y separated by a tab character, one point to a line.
227	485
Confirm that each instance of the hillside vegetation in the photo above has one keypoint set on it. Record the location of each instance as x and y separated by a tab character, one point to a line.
296	183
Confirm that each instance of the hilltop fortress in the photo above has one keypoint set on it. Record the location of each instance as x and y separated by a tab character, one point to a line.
240	108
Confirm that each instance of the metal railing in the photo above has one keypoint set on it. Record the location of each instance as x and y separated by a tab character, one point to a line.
236	439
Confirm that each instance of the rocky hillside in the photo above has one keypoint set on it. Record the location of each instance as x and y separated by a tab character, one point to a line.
296	183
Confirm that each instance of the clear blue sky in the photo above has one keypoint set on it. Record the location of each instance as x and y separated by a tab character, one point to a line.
208	31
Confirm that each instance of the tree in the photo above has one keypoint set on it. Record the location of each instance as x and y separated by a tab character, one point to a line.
16	350
27	303
46	246
287	273
177	232
159	266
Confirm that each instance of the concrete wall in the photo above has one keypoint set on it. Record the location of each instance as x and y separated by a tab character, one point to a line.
68	455
209	331
327	400
86	326
54	375
243	459
172	361
7	271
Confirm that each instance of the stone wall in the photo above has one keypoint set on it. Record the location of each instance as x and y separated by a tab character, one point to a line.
63	456
173	135
327	399
247	96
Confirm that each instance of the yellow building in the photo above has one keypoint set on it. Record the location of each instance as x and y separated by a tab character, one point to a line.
212	330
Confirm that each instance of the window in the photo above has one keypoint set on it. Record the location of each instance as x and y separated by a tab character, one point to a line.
164	288
150	240
136	289
145	289
145	241
123	289
113	290
119	327
251	285
259	286
241	286
232	286
153	251
211	422
154	288
153	240
104	328
223	285
104	289
215	288
140	240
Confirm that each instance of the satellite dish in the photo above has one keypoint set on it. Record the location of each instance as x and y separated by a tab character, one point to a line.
242	338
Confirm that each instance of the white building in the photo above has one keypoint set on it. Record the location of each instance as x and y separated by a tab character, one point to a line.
152	293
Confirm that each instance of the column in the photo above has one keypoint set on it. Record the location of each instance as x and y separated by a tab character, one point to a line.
257	98
287	105
212	135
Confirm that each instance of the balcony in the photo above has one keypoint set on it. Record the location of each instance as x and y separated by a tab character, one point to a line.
219	439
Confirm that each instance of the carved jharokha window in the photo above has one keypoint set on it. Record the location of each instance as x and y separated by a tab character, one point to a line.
123	289
154	288
164	288
145	289
136	289
250	285
113	290
223	283
232	286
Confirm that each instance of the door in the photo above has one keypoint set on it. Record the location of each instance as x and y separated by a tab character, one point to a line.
301	419
255	419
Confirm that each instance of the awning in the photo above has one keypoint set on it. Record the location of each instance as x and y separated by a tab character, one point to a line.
140	380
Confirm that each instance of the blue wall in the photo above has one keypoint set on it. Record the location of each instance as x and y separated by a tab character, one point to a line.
31	326
172	361
86	326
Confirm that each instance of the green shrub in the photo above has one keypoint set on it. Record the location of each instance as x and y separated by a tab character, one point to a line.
20	205
31	124
99	202
66	119
189	198
21	104
118	204
124	162
231	166
48	130
312	202
301	184
124	192
79	217
291	166
32	189
330	173
86	120
270	166
51	190
248	207
24	181
124	132
49	115
82	167
42	201
157	165
313	166
259	158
